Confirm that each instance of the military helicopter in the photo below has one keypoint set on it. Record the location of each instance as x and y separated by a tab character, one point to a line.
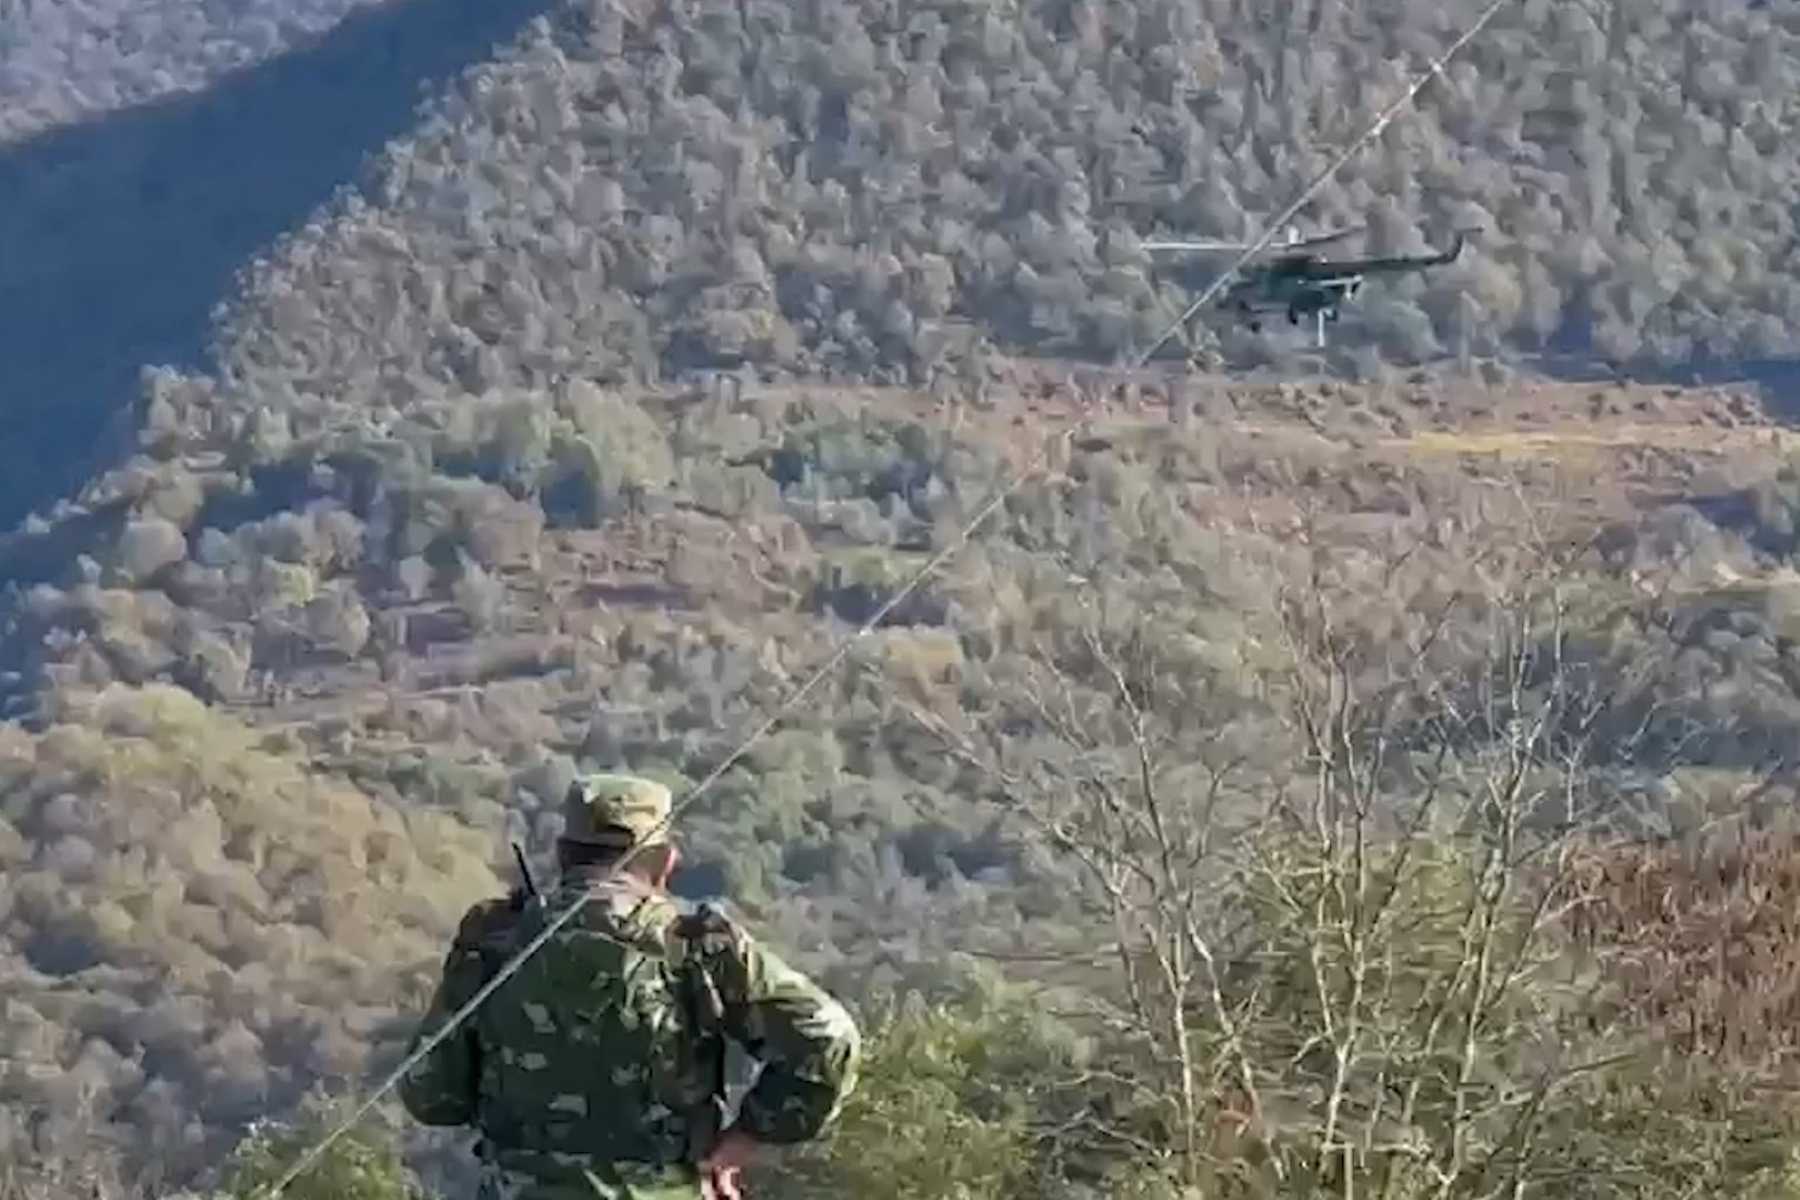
1300	281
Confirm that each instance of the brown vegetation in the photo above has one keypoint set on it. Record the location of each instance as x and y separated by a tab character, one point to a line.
1705	939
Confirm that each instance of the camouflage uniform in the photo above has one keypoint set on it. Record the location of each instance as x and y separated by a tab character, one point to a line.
593	1072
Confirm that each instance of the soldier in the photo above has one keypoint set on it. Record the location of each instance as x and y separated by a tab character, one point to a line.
596	1072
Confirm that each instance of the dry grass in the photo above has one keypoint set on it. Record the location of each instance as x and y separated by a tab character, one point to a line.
1590	441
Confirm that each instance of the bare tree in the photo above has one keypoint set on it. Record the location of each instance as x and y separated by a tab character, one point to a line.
1331	884
1415	874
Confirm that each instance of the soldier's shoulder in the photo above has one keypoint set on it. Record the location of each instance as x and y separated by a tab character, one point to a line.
485	920
708	929
720	938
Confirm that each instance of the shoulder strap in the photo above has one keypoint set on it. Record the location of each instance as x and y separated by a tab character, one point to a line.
704	920
708	1011
706	1017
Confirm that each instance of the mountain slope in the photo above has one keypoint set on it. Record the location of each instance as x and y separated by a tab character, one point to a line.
444	528
844	189
861	191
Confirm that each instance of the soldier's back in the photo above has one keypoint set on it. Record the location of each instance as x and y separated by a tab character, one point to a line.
589	1083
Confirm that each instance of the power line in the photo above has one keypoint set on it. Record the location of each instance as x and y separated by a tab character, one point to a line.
944	555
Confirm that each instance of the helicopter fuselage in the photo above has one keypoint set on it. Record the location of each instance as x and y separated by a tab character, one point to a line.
1297	289
1300	282
1303	285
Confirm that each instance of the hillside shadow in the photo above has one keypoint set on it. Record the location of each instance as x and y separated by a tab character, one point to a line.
119	236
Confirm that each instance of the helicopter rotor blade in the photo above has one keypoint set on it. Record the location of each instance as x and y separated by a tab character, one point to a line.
1195	246
1319	239
1208	245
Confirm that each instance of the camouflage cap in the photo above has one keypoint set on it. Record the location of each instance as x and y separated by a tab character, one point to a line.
616	810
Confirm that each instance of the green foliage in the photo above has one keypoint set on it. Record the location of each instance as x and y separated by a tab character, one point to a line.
239	922
1668	1129
364	1163
952	1107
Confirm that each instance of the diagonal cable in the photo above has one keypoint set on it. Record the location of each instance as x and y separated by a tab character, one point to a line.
931	566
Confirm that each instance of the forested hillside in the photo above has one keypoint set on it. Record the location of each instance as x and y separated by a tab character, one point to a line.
843	186
865	188
1298	783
